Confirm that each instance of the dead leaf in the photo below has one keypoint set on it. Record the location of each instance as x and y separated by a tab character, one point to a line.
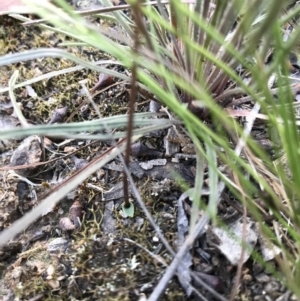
140	150
183	270
58	115
230	244
76	213
104	81
66	224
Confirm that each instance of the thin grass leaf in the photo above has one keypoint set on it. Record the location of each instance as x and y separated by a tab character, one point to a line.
111	123
17	110
199	178
213	181
54	52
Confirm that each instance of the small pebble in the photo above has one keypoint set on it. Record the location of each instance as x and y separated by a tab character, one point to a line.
272	286
247	279
27	153
58	245
257	268
262	278
155	239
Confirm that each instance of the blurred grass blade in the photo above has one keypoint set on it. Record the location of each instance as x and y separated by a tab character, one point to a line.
114	122
17	110
54	52
213	181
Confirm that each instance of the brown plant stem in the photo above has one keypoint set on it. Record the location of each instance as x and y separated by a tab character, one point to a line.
135	10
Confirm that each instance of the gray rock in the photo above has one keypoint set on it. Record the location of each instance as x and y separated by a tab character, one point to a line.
262	278
28	153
